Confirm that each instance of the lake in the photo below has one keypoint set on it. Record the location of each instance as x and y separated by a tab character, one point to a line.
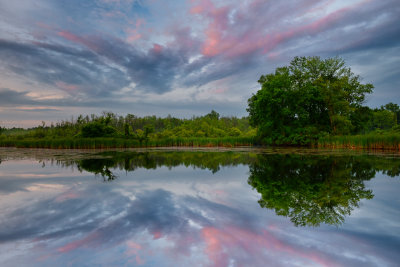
205	207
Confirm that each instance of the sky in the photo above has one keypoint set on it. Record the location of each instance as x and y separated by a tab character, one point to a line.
59	59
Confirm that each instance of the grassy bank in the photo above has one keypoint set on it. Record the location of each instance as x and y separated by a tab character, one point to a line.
387	141
93	143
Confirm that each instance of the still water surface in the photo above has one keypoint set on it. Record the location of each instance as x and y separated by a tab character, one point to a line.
199	208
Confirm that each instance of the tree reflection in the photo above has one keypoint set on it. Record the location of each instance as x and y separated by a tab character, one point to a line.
130	161
311	190
98	166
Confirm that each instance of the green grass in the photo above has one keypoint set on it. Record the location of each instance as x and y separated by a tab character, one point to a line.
95	143
387	141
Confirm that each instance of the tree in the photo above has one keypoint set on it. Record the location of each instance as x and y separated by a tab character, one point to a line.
384	119
309	97
213	115
393	108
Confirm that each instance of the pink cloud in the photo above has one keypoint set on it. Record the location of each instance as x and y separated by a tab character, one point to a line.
157	48
223	245
78	243
133	249
140	22
66	196
201	6
44	25
157	234
219	91
196	10
79	40
118	2
222	36
133	34
70	88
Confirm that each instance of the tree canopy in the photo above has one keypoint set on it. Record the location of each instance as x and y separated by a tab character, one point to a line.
308	98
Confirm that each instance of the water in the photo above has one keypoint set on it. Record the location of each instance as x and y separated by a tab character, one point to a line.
207	208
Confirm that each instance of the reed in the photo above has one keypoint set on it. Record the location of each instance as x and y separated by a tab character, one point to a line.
388	141
95	143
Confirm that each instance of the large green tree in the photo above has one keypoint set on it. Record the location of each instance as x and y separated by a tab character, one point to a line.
309	97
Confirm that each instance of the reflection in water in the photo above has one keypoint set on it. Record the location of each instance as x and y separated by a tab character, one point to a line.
130	161
310	190
98	166
184	216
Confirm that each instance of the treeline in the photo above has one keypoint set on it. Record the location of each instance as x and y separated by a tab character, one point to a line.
140	129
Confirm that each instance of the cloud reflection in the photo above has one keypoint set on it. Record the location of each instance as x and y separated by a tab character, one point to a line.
138	220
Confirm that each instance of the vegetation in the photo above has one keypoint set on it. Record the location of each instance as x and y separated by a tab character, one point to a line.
112	131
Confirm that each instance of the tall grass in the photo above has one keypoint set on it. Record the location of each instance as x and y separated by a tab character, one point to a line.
388	141
94	143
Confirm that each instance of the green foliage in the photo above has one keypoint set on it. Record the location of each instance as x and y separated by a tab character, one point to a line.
393	108
310	96
97	129
213	115
384	119
301	188
234	132
126	130
362	120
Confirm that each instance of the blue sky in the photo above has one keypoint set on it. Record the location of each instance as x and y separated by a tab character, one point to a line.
62	58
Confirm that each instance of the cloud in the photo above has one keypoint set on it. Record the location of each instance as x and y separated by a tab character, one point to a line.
90	51
61	67
11	98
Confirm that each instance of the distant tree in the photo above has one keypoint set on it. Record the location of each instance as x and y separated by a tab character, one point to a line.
234	131
213	115
140	135
393	108
148	129
126	129
384	119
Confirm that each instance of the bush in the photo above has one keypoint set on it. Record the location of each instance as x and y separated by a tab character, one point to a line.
97	129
